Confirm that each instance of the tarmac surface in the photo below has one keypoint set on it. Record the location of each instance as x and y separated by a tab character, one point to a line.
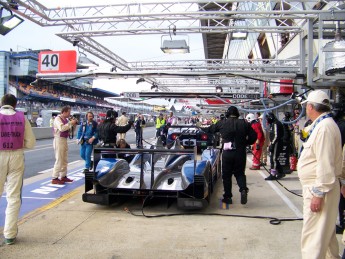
69	228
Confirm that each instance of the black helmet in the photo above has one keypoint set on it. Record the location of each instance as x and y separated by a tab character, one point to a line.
270	117
233	112
287	115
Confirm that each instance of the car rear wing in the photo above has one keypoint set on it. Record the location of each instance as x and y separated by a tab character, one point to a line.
99	153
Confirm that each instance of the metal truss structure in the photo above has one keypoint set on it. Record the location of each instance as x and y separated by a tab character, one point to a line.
86	24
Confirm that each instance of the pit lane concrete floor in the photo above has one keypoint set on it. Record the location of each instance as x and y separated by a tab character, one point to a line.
70	228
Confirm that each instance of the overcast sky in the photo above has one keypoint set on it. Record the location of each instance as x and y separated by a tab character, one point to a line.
28	35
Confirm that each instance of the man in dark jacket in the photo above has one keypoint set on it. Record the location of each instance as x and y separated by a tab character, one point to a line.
236	135
339	117
108	129
276	147
139	124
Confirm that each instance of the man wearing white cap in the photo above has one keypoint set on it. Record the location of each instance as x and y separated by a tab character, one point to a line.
319	168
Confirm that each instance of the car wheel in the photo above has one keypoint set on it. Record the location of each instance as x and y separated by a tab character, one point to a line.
210	186
219	168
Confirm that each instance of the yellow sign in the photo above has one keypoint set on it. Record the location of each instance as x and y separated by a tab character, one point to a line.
159	108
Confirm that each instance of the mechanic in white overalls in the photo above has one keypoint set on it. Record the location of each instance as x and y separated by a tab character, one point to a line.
319	170
15	135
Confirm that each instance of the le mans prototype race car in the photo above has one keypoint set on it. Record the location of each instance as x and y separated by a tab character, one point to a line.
192	136
157	172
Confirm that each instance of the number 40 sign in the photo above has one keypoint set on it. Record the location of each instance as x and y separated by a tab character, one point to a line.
57	61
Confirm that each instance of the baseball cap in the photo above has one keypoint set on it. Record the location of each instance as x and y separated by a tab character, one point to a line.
319	97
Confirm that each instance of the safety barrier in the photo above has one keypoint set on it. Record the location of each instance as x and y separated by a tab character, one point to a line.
47	132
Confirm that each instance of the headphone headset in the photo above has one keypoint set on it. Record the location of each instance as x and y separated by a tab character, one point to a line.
87	114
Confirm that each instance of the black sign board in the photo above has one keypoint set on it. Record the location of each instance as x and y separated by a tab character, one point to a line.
243	96
284	158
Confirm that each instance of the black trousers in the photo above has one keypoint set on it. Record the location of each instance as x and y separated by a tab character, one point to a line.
234	163
158	132
274	157
139	137
341	209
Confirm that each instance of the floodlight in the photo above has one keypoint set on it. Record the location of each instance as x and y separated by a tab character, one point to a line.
8	23
239	35
85	62
175	46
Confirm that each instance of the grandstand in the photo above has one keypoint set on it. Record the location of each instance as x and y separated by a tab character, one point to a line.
35	96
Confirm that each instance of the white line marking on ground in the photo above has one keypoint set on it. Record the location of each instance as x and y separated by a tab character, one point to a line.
46	146
79	170
288	202
46	171
37	149
38	198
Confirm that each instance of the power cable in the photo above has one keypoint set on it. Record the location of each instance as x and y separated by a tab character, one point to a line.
272	220
277	179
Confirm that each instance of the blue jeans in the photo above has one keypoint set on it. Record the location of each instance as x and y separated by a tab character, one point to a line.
85	153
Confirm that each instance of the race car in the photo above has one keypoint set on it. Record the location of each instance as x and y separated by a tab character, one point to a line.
156	172
191	136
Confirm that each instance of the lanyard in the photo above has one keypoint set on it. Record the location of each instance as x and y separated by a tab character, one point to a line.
311	131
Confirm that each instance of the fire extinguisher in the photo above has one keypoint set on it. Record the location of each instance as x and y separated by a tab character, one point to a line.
293	162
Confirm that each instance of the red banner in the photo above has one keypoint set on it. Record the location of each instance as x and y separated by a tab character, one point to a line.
216	101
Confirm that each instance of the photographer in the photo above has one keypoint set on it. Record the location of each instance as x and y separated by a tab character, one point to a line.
87	137
62	127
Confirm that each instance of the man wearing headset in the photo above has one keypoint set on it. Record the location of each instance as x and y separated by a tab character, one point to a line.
87	137
236	134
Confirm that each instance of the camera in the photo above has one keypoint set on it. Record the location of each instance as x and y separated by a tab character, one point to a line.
72	118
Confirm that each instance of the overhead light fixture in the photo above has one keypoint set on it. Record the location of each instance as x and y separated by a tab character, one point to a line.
8	23
84	62
175	46
154	87
140	80
219	89
75	42
239	35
